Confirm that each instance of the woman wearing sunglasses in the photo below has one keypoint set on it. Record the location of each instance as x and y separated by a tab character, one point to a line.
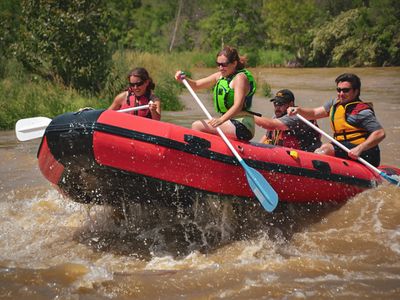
234	87
138	93
353	122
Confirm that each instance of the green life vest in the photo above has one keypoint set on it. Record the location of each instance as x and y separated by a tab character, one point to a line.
224	94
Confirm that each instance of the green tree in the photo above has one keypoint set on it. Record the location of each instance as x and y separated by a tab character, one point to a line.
384	15
233	22
9	26
366	36
288	23
336	7
186	24
120	20
150	25
65	40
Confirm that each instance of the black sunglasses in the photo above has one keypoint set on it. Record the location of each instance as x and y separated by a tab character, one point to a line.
276	104
224	64
344	90
136	84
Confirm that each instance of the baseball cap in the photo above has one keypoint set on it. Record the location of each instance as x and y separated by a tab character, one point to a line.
283	96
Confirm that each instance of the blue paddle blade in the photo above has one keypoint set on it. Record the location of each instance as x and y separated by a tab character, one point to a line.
389	178
261	188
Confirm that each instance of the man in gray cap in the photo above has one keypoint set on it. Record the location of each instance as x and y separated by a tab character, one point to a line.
287	131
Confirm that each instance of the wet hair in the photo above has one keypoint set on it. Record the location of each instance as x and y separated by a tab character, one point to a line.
232	55
143	75
352	78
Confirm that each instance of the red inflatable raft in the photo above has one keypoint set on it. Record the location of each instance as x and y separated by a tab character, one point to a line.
105	157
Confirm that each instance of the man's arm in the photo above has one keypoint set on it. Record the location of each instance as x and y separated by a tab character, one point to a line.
308	113
270	124
374	139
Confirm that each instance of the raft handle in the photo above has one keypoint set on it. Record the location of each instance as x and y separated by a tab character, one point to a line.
322	166
197	142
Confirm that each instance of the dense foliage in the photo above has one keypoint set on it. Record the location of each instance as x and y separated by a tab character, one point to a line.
70	36
75	38
314	32
359	37
292	31
9	32
74	50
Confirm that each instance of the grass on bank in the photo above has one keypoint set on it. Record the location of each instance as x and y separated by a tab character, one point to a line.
24	95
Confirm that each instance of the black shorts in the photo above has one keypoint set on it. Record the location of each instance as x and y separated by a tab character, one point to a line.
373	155
242	133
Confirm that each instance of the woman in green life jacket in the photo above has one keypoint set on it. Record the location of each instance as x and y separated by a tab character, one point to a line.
234	87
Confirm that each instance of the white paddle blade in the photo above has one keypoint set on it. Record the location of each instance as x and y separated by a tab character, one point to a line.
31	128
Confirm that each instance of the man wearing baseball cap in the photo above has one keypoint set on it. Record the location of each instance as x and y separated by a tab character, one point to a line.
287	131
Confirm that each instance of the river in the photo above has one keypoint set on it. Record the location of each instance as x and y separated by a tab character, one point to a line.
53	248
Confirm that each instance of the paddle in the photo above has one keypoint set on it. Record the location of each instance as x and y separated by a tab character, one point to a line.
381	173
33	128
260	187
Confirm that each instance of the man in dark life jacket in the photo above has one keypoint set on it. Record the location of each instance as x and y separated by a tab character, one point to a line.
287	131
353	122
139	93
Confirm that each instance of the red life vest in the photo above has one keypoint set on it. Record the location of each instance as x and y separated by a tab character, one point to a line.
295	139
281	138
133	101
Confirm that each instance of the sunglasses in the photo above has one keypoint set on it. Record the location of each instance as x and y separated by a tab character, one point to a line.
136	84
344	90
224	64
279	104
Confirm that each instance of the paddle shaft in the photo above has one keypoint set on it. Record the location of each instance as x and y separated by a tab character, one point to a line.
134	108
341	145
263	191
220	132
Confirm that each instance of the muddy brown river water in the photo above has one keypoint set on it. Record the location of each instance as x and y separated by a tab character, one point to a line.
53	248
